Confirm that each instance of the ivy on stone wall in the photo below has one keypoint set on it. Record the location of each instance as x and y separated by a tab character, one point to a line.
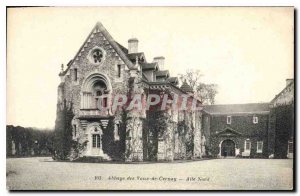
189	137
77	148
63	131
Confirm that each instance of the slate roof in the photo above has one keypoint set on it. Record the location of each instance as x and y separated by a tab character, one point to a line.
172	80
162	73
185	87
149	66
125	50
129	59
120	50
237	108
144	77
283	90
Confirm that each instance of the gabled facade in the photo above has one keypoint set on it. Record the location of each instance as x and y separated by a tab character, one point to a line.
103	68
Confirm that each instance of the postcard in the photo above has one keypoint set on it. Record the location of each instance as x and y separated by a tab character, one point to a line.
150	98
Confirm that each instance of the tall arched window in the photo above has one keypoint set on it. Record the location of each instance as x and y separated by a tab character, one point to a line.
99	89
95	90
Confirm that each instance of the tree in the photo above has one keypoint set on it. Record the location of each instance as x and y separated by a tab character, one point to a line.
28	140
63	131
206	93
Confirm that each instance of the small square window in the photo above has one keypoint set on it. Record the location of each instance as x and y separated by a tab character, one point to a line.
255	119
228	120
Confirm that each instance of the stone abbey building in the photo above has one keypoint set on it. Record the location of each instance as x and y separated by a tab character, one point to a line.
103	68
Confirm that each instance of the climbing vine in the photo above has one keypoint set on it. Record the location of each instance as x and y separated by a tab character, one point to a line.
63	131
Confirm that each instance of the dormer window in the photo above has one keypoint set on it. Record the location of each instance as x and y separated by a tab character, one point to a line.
228	120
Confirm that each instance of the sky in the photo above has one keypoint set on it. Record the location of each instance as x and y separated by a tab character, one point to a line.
247	52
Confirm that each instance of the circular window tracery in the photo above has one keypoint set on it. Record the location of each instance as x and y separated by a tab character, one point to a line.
96	55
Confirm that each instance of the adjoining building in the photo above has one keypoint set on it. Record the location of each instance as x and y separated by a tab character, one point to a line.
256	130
282	122
238	130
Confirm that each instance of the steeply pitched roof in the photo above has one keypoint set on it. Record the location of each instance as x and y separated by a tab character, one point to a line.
149	66
157	85
124	49
144	77
162	73
120	50
187	88
237	108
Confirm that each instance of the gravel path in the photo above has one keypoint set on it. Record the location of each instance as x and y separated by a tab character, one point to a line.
41	173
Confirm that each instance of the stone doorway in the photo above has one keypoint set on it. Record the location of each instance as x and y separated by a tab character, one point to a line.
228	148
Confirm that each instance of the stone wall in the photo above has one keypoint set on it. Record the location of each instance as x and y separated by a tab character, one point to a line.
281	126
284	129
141	139
245	129
71	90
198	144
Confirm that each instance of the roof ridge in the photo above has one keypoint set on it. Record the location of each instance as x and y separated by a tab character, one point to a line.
110	39
276	96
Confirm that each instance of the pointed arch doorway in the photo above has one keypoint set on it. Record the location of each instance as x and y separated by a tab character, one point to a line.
228	148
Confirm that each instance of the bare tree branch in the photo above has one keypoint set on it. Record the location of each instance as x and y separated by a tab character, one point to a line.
206	93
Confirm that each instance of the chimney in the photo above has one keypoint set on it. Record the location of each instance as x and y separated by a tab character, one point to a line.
289	81
160	60
133	45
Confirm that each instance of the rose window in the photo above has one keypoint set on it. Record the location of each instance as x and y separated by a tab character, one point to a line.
97	55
